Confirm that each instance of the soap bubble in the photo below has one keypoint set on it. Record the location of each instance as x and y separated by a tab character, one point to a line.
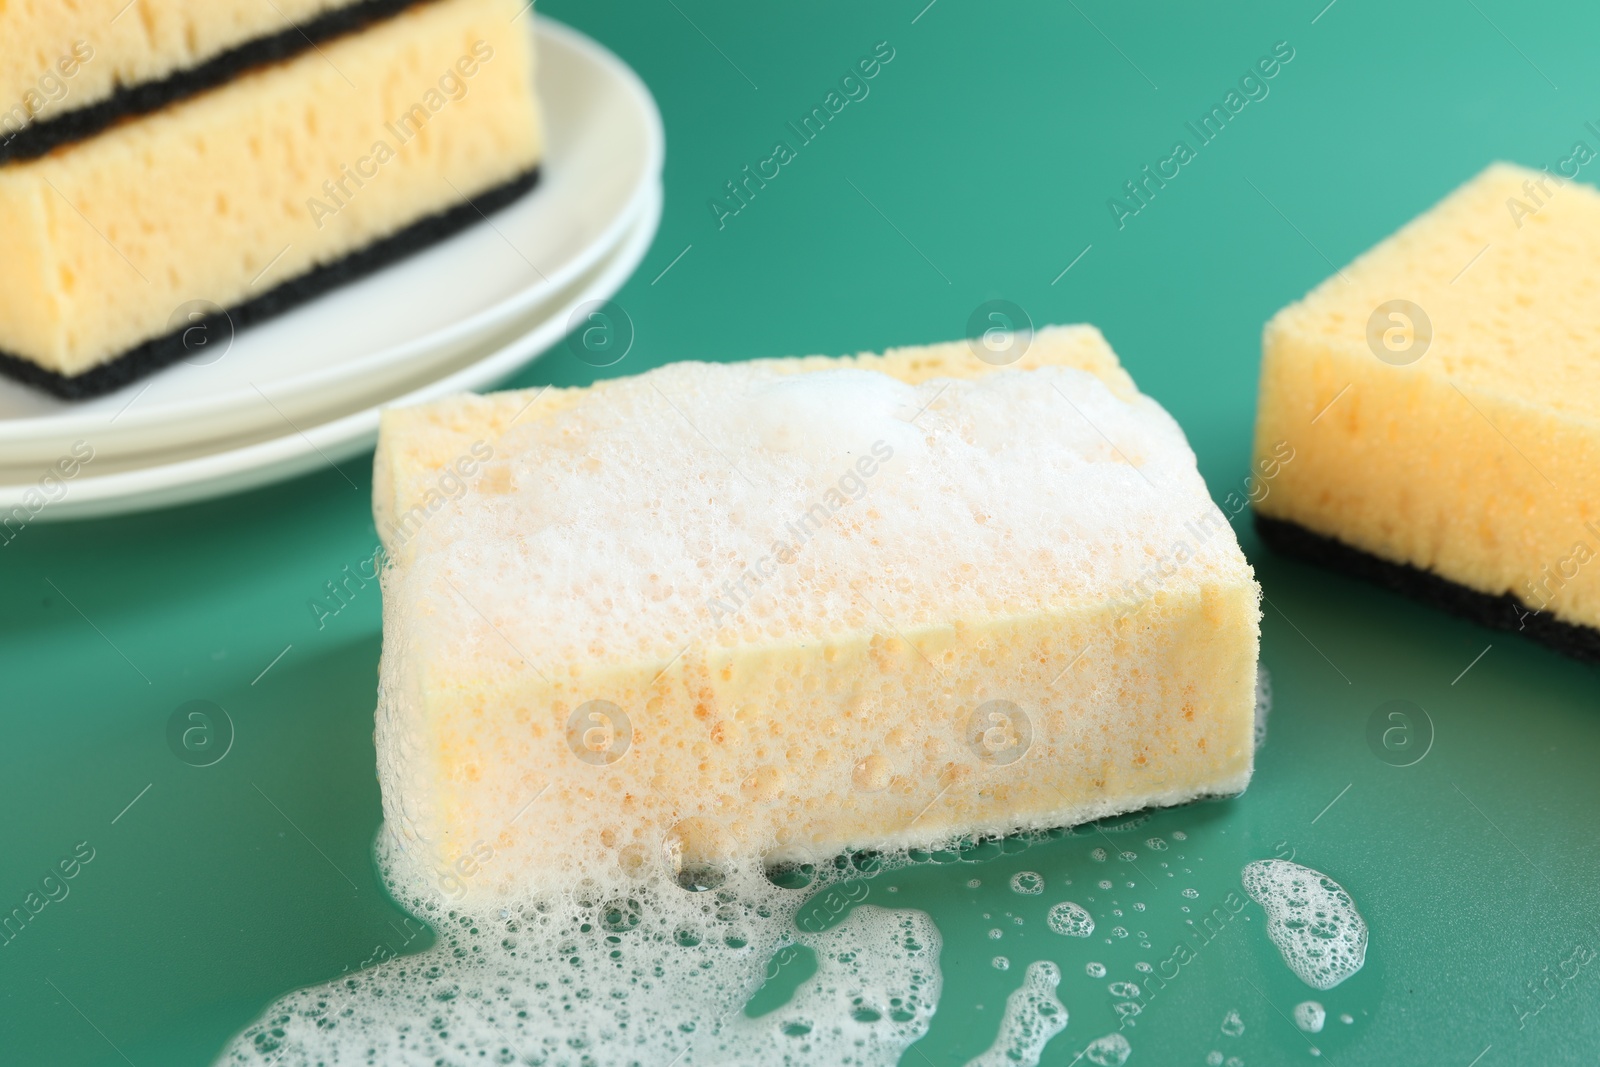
1070	920
1112	1050
1310	1016
1028	883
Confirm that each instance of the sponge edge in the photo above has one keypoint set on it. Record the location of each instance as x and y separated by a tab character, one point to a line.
643	633
1474	456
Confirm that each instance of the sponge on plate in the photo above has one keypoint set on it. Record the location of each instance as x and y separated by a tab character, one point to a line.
280	183
719	611
1441	396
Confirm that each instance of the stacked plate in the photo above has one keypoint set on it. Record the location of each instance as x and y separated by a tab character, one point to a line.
304	390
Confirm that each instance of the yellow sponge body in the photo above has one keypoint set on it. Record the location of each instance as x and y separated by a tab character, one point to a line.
227	194
1465	440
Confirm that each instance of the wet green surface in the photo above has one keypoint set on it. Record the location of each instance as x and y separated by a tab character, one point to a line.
978	167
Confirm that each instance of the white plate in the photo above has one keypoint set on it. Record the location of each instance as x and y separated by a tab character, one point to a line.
200	477
603	162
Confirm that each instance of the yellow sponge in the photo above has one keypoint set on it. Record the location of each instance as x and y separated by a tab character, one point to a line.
1441	397
63	57
228	195
732	610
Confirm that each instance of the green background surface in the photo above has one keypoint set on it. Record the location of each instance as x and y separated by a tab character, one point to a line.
978	168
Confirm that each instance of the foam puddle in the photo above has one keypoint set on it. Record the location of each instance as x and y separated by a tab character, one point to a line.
634	973
1312	920
1033	1016
874	993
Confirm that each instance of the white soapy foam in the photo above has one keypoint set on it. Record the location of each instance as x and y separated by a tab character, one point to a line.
874	993
611	975
1263	702
1123	826
1028	883
1033	1016
1070	920
1111	1050
1310	1016
1311	919
1233	1023
581	554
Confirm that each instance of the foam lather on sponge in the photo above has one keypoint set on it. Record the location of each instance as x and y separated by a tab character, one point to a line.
790	607
1442	401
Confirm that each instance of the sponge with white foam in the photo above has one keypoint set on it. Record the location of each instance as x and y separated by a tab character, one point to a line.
794	607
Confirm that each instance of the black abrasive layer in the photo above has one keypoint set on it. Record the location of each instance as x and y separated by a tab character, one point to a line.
40	137
1503	612
156	353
